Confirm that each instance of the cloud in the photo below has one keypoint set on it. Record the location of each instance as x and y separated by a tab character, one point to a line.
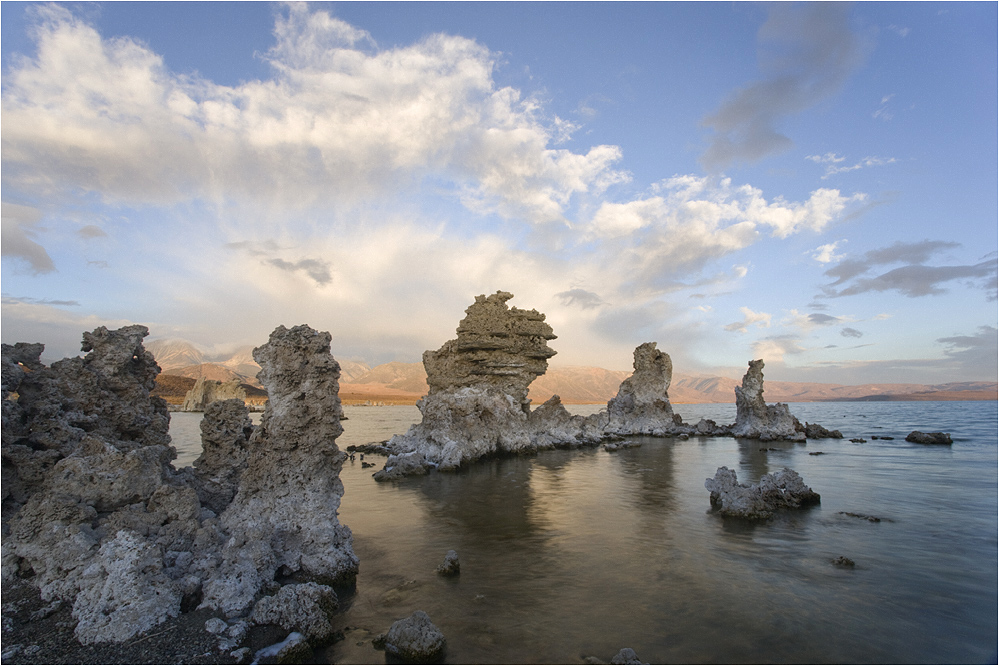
316	269
807	52
773	349
824	254
851	333
760	319
580	298
822	319
899	30
883	112
341	121
12	300
18	226
913	279
833	168
975	352
91	231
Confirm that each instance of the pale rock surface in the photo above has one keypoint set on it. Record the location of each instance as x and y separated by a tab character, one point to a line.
626	656
642	405
206	391
477	402
225	433
783	489
415	638
552	425
284	514
450	566
755	419
305	608
917	437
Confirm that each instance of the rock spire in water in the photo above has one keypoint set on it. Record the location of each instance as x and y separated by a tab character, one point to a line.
755	419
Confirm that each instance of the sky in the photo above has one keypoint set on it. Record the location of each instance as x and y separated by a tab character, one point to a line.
810	184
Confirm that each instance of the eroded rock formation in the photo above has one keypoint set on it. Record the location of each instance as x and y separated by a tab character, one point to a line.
641	406
783	489
206	391
477	403
755	419
95	514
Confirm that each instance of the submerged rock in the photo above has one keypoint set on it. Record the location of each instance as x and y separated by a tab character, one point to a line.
783	489
450	566
415	639
755	419
815	431
917	437
626	656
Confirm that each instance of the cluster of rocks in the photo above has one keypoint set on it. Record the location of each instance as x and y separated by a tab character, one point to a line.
783	489
96	516
206	391
477	404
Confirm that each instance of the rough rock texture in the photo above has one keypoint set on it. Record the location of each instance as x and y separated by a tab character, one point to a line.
225	433
641	406
755	419
284	515
450	566
783	489
626	656
415	638
917	437
206	391
304	608
815	431
95	515
477	403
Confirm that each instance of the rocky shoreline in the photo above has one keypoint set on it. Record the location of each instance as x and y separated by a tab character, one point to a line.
112	555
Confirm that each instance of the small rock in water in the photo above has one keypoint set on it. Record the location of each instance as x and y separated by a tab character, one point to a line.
844	562
858	440
864	516
817	453
450	566
626	656
917	437
415	638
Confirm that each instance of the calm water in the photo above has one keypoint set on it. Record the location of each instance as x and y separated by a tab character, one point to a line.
573	553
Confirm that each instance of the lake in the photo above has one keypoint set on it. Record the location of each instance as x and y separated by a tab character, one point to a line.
568	554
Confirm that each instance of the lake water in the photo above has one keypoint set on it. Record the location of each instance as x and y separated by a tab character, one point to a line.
568	554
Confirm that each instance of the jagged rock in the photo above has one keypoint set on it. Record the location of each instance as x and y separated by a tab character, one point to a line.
551	425
626	656
294	649
304	608
783	489
206	391
477	403
843	561
225	433
642	406
815	431
284	514
124	592
415	638
755	419
917	437
450	566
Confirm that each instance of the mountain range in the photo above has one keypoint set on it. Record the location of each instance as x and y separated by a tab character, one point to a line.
405	383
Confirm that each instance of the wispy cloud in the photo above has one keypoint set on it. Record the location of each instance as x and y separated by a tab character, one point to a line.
833	163
580	298
825	254
912	279
807	53
749	318
851	333
19	225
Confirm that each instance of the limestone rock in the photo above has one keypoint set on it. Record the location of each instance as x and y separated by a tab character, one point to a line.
783	489
477	403
206	391
284	514
642	406
626	656
755	419
304	608
917	437
815	431
415	638
225	433
124	592
450	566
551	425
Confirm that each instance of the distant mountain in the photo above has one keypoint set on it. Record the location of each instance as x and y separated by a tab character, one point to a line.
405	377
351	370
577	384
171	354
241	362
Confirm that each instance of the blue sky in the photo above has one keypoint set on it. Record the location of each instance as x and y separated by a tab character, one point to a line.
814	185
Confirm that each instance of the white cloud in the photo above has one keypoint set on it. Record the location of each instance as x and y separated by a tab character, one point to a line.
825	254
773	349
760	319
336	124
19	225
